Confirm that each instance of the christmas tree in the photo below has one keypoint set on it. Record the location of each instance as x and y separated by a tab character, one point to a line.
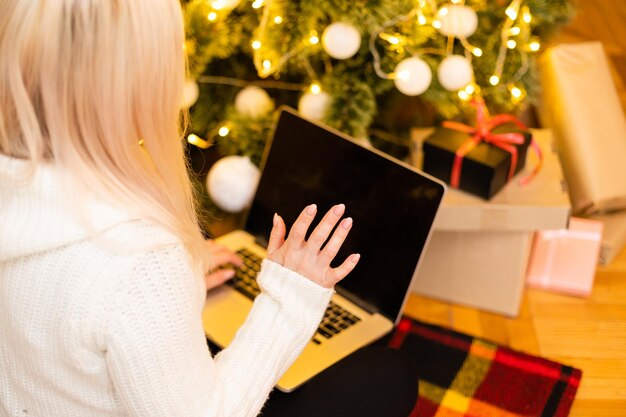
360	66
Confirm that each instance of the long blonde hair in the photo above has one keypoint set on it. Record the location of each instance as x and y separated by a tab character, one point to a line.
95	86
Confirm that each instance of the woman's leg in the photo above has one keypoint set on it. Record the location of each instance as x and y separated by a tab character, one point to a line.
374	381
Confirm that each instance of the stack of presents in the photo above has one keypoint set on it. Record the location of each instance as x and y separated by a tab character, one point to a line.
536	207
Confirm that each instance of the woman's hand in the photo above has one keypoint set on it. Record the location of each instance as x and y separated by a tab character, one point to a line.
306	257
221	256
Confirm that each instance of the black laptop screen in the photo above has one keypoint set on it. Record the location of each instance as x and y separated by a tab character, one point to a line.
393	206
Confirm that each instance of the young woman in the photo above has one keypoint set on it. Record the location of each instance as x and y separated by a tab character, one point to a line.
102	265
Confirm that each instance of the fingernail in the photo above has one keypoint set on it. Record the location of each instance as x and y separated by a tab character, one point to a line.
310	210
338	210
229	274
355	258
346	223
275	220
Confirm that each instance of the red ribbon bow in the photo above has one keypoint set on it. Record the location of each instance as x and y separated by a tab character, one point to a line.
483	132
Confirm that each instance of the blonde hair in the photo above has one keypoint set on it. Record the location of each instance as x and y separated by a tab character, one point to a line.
95	86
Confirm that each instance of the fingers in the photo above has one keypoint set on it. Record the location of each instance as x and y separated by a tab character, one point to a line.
334	244
277	236
300	227
323	229
337	274
221	255
217	278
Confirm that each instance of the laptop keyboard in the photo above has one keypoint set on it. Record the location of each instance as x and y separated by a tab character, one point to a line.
336	319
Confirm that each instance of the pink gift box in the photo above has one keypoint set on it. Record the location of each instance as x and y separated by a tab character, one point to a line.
565	260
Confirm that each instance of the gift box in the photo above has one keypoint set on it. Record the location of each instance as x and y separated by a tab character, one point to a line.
565	260
485	169
614	236
479	249
580	103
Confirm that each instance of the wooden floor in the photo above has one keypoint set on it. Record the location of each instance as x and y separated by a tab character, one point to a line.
589	334
586	333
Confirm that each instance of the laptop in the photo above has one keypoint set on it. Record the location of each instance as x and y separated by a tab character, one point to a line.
393	206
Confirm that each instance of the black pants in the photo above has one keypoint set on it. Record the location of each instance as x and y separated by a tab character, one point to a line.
374	381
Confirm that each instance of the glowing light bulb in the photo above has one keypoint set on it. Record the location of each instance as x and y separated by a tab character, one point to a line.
256	44
516	92
314	40
393	40
421	19
443	11
469	89
494	80
198	141
477	52
436	24
212	16
534	46
315	88
223	131
267	65
456	1
515	30
463	95
527	17
511	13
511	44
257	4
278	20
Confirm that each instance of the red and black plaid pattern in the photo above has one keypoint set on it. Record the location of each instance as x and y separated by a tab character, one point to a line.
463	376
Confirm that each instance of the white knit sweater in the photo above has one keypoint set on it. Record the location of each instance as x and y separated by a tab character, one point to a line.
100	315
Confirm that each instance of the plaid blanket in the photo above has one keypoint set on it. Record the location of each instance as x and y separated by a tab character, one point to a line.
465	376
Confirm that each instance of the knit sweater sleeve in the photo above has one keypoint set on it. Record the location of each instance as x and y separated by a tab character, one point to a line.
156	350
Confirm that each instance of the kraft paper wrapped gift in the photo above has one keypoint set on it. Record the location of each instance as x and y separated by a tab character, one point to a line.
614	237
565	260
479	249
580	103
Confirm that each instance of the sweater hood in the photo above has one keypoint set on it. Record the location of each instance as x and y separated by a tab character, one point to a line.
41	214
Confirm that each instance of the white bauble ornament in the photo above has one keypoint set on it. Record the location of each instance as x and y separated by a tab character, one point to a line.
412	76
253	102
455	72
191	91
225	4
341	40
459	21
314	106
232	182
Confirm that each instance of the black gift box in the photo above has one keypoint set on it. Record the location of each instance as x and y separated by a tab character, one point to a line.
485	168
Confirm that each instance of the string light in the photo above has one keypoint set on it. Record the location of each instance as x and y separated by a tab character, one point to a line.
394	40
223	131
477	52
469	89
256	44
267	65
516	92
197	141
436	24
315	88
314	39
463	95
526	16
278	20
511	44
257	4
421	19
515	30
212	16
443	11
511	13
534	46
494	80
